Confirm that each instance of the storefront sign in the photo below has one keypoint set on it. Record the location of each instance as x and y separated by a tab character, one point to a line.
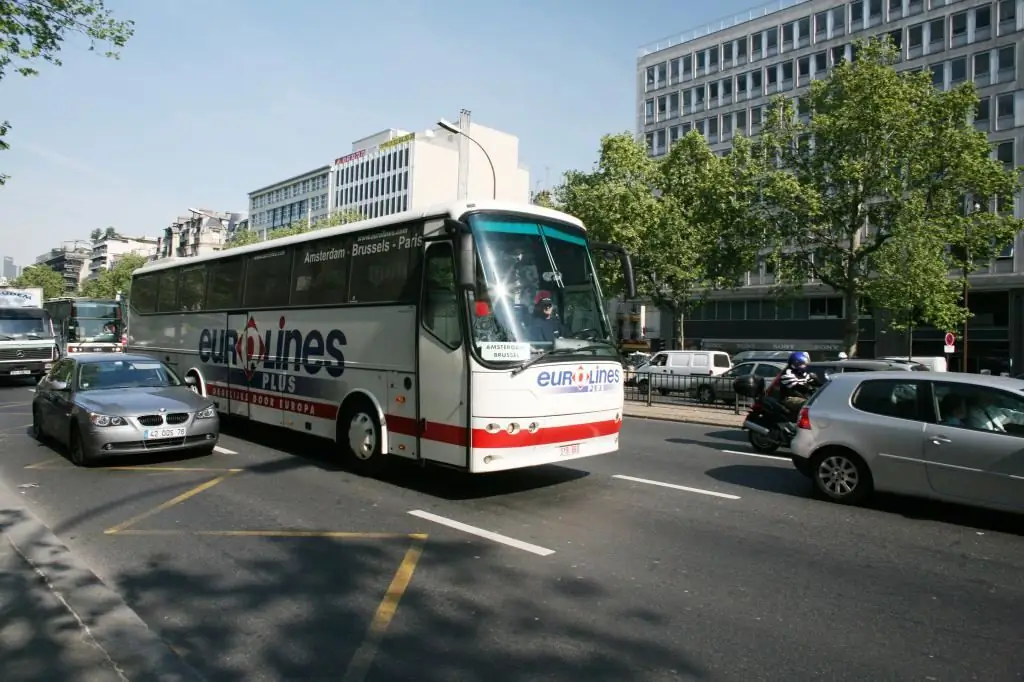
351	157
396	141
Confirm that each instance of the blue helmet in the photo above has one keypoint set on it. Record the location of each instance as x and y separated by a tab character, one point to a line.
799	358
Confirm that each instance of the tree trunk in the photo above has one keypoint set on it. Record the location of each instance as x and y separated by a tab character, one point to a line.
679	322
851	323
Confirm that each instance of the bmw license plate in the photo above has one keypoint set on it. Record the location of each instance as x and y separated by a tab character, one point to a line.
151	434
569	450
19	372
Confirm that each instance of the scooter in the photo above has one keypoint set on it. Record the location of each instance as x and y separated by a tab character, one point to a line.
770	424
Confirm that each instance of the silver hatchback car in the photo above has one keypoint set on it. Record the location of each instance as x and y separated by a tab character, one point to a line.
101	405
948	436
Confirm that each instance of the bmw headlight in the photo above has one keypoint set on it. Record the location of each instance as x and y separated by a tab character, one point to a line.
209	413
106	420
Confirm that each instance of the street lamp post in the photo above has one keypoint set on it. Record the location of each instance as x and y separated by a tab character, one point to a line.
451	128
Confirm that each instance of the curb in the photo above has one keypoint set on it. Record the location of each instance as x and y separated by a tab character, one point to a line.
135	651
680	420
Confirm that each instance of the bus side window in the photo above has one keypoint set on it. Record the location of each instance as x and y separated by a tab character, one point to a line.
440	308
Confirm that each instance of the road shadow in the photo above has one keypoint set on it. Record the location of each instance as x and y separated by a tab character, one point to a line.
790	482
299	610
40	639
437	481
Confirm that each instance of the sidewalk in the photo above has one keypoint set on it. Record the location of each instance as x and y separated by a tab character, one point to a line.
685	413
59	622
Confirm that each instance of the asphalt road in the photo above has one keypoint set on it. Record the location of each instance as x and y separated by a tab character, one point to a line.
266	562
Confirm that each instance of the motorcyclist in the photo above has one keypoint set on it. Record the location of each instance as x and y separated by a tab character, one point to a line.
796	383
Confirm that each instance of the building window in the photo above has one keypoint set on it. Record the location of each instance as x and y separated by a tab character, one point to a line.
982	64
741	122
1004	154
820	64
787	36
915	7
649	111
937	35
895	9
958	71
741	50
1005	111
874	12
727	54
1007	16
915	39
803	29
982	23
1007	64
803	69
674	71
938	75
838	21
820	26
856	15
897	40
756	46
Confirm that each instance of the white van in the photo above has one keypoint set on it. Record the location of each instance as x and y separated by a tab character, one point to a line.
668	370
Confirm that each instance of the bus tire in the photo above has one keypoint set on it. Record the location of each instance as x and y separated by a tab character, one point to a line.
360	437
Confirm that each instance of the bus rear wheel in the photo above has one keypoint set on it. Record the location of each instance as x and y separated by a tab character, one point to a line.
359	435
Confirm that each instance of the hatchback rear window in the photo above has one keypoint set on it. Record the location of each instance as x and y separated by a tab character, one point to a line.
888	397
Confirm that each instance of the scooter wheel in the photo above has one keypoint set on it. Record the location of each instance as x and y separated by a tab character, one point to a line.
763	444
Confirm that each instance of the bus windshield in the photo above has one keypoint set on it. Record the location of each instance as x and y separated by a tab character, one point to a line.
95	322
535	283
24	323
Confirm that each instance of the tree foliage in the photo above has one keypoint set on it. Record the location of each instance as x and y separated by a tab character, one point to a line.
251	236
51	281
543	198
117	279
34	31
683	218
866	193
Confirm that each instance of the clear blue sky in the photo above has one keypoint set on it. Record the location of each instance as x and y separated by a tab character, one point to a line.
214	98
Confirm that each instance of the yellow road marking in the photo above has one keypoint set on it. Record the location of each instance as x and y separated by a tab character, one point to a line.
334	535
362	660
45	463
175	470
167	505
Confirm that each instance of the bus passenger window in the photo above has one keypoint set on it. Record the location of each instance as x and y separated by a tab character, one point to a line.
440	298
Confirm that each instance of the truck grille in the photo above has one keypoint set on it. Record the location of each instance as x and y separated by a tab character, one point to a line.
151	420
26	354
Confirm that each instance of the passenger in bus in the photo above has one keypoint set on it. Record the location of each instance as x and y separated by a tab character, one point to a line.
546	326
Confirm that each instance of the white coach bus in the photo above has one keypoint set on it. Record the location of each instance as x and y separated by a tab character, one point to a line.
471	335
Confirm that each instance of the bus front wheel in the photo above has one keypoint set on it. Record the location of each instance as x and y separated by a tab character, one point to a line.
359	436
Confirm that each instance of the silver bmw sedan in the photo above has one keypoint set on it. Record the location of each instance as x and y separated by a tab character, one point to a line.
105	405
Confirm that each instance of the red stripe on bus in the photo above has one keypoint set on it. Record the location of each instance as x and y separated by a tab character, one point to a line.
456	435
434	431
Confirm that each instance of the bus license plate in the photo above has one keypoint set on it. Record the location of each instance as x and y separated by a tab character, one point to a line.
569	450
18	372
163	433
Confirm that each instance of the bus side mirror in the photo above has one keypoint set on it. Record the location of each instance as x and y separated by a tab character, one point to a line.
628	280
467	261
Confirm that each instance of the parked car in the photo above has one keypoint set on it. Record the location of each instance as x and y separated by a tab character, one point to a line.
670	371
710	389
123	404
948	436
823	369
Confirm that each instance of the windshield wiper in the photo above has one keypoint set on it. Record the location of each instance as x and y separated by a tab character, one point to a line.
557	351
6	337
33	335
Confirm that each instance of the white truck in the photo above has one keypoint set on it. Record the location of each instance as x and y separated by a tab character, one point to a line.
27	344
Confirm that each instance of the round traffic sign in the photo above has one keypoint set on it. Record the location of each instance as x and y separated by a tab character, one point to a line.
950	339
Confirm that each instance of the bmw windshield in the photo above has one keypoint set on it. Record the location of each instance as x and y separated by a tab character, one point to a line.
536	291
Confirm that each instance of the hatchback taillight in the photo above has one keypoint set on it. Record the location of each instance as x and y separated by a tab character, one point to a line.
805	420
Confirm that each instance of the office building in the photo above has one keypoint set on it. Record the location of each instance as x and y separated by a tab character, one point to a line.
394	171
10	270
107	250
718	79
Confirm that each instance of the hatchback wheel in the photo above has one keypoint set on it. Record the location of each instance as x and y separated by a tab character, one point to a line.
841	476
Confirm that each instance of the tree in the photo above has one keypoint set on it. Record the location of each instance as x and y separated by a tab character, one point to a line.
683	219
251	236
543	198
33	31
96	235
865	192
43	276
117	279
110	233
